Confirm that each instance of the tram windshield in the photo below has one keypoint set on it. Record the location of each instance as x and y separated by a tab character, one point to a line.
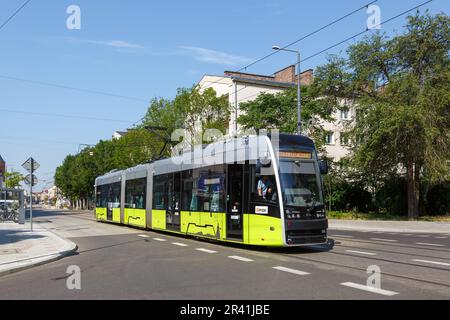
300	184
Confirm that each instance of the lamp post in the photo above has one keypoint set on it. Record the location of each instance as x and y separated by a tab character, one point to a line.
299	96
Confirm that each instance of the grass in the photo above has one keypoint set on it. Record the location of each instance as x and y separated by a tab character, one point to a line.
382	216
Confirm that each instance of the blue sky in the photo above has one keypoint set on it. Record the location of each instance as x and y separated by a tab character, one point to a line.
144	49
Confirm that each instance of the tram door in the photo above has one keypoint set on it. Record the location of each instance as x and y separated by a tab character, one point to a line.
173	202
235	218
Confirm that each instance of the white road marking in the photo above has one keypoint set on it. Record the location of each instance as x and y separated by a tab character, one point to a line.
407	234
430	244
240	258
298	272
379	232
387	240
440	237
180	244
362	252
159	239
391	233
206	250
143	236
369	289
423	235
432	262
340	235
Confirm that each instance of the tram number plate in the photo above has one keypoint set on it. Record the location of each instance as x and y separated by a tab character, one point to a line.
235	217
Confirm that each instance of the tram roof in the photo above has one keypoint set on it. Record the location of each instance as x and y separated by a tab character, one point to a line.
217	155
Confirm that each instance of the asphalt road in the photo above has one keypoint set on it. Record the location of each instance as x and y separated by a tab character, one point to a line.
118	262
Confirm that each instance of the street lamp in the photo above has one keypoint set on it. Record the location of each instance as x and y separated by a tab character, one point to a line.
299	97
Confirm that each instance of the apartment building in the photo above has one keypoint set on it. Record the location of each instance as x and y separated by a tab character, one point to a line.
241	87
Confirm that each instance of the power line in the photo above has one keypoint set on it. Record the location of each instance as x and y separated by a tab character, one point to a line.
339	43
14	14
55	85
62	116
297	41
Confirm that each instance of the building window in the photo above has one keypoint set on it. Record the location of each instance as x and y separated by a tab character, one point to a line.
329	138
344	139
345	114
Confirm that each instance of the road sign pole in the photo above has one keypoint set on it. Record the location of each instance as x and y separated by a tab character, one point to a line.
31	166
31	195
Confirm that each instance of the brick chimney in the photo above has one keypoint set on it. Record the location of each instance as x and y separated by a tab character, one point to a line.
286	75
306	77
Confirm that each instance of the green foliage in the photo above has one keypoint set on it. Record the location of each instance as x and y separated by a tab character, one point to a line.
76	176
279	111
438	199
399	88
13	179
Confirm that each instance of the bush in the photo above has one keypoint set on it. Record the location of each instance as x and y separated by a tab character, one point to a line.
392	197
346	196
437	199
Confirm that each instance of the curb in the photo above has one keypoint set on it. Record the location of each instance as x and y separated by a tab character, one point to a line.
386	229
52	257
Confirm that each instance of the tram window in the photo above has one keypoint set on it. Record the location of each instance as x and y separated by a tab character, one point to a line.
135	191
200	192
159	183
188	199
263	184
113	198
102	196
216	185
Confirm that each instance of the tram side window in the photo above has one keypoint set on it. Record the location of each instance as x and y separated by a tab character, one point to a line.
216	184
200	193
114	195
135	193
189	193
263	184
159	190
101	196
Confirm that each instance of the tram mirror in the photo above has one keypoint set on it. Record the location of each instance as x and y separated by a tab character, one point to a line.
323	166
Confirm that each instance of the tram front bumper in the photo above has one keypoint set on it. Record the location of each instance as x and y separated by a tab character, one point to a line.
306	232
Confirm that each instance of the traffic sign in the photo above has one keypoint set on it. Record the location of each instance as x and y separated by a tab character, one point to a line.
27	165
28	180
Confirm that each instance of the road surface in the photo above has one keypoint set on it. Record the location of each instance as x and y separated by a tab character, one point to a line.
118	262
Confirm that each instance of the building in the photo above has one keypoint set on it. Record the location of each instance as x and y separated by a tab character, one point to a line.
2	172
119	134
242	87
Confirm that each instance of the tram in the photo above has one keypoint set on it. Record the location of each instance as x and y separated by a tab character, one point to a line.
254	190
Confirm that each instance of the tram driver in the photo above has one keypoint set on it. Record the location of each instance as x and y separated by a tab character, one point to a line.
265	188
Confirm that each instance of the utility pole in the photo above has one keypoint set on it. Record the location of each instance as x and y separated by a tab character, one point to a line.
31	194
235	109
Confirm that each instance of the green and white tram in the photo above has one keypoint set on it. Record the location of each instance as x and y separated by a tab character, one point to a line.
256	190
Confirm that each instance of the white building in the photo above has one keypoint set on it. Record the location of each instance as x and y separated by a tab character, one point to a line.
242	87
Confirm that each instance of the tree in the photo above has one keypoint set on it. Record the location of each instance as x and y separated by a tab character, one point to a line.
279	111
13	179
192	110
400	90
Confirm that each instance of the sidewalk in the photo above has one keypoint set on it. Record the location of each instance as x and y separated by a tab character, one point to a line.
390	226
21	249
